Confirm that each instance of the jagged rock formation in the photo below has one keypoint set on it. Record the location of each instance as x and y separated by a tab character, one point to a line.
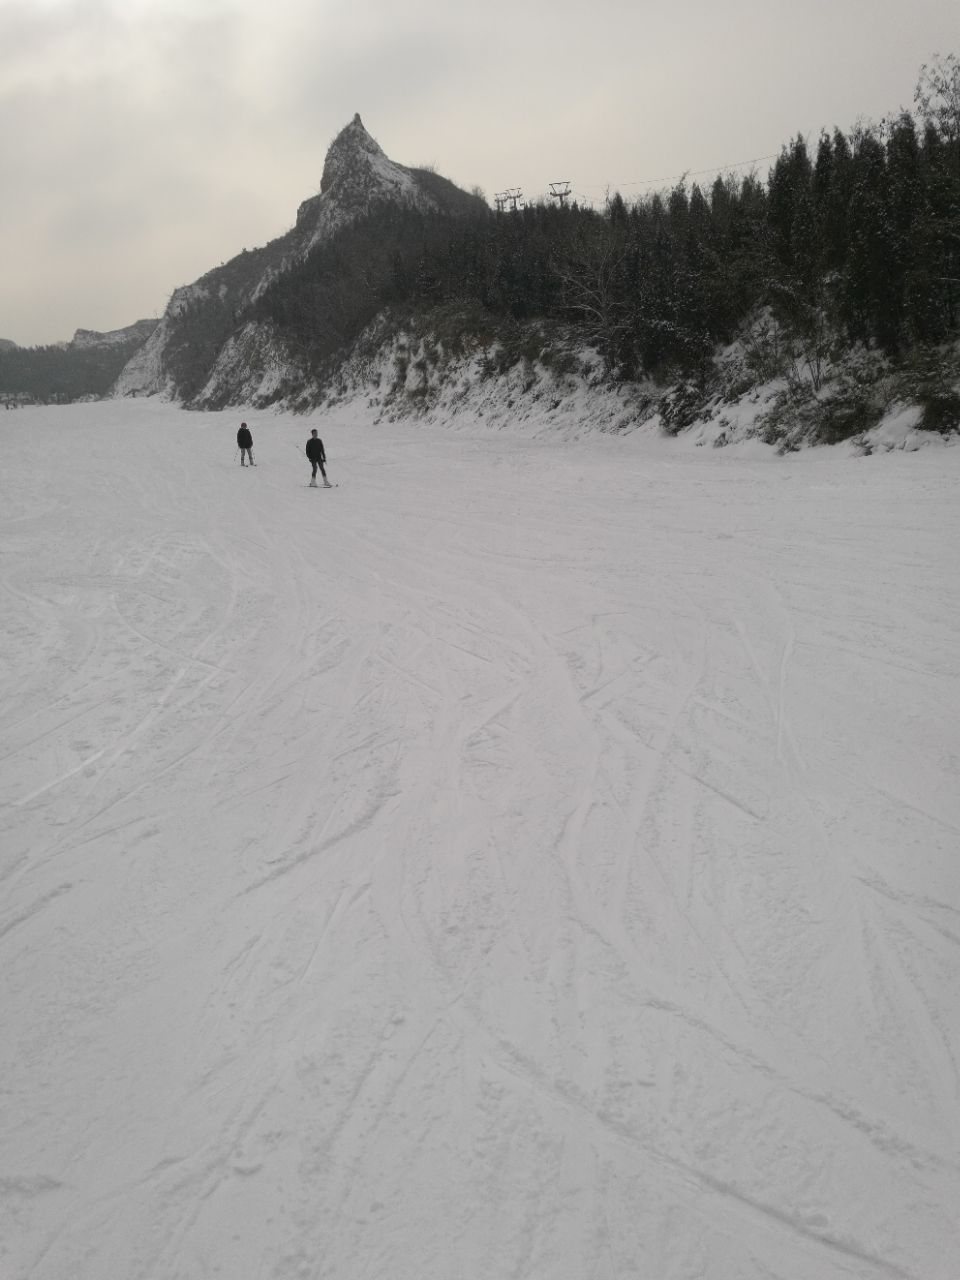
205	350
139	331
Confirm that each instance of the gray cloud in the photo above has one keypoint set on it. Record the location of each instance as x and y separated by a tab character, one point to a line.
144	141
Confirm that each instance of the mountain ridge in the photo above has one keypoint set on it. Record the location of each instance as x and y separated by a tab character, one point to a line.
203	320
140	329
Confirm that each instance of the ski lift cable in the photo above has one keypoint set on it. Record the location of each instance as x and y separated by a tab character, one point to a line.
673	177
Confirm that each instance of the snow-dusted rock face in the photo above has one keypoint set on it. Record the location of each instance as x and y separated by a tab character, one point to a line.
357	173
143	374
356	176
140	330
254	367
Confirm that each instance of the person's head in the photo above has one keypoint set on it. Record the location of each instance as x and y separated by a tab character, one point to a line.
314	431
243	424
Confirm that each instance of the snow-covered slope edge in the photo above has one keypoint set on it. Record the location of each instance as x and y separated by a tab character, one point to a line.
545	383
412	375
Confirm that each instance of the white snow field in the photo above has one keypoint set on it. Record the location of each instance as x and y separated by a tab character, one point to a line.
531	860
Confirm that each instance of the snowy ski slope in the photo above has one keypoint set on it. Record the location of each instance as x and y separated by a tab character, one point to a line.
530	860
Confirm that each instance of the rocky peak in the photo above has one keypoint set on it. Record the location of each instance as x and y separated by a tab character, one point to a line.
352	147
357	173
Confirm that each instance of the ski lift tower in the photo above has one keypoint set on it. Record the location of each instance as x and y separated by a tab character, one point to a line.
560	191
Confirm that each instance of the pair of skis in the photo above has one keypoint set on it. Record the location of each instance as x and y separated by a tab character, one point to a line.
325	485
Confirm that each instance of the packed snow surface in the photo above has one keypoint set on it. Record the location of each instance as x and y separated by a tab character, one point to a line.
530	859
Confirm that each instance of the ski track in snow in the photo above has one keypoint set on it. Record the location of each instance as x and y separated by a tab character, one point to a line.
530	860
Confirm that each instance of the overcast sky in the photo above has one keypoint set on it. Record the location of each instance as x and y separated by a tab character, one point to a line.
143	142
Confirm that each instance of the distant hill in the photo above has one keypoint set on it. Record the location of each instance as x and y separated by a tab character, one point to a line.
86	366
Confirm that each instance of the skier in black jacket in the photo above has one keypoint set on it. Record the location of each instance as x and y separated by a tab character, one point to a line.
317	457
245	441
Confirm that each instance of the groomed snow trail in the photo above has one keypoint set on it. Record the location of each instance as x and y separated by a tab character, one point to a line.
528	861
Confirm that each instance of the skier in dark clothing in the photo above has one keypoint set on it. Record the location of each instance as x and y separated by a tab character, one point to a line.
317	457
245	441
